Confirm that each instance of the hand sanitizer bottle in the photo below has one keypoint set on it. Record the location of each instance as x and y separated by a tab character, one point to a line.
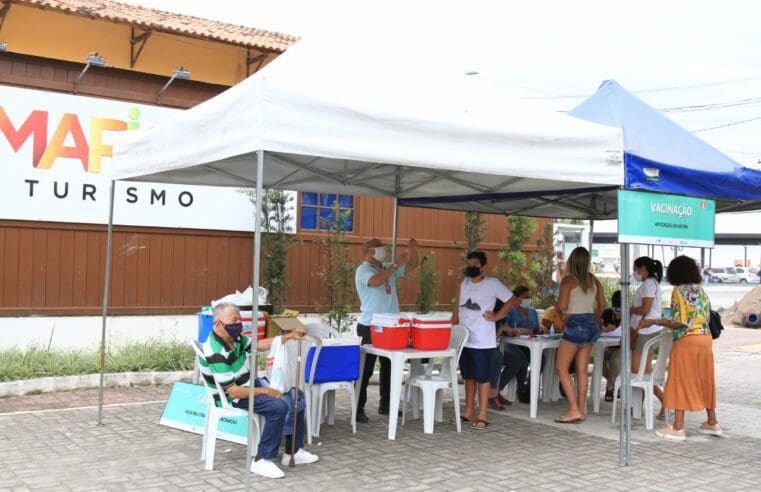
552	330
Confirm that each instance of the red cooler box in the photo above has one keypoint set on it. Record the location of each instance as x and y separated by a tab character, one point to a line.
246	317
390	331
431	331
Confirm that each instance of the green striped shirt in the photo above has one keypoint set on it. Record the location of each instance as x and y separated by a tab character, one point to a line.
225	365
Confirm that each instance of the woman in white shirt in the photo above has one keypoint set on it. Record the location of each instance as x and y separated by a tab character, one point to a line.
646	305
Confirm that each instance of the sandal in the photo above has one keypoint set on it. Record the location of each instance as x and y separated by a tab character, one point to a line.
479	424
504	401
495	404
566	420
609	395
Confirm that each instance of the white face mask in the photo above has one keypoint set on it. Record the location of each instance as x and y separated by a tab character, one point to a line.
380	253
637	277
525	303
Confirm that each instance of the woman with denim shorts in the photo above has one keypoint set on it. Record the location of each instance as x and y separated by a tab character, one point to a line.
581	302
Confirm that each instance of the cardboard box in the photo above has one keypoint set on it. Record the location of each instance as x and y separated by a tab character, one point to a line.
286	321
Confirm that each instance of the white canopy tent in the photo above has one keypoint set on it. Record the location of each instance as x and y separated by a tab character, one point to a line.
352	124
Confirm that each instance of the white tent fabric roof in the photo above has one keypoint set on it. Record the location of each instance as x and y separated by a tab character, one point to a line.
352	123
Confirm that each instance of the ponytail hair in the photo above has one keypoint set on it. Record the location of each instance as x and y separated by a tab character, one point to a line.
654	267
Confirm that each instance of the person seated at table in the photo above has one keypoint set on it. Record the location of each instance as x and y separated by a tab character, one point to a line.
551	319
226	363
478	296
513	362
611	327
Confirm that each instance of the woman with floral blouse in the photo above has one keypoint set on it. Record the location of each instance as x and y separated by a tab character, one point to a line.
690	386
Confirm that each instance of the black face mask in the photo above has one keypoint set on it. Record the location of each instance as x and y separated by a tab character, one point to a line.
234	330
472	271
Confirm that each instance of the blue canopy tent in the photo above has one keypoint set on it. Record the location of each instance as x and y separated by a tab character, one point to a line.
659	155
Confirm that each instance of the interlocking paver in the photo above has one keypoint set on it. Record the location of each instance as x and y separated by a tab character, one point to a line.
65	450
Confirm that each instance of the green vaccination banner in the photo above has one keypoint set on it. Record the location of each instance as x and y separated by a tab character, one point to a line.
669	220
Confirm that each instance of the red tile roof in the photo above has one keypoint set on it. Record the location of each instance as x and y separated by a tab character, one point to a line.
158	20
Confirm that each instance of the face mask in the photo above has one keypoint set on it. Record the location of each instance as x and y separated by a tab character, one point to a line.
234	330
637	277
525	303
616	310
380	253
472	271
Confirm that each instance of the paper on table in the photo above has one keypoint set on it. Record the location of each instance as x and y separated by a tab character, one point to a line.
612	334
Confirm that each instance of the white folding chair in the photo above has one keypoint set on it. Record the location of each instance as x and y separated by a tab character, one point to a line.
644	382
430	384
215	413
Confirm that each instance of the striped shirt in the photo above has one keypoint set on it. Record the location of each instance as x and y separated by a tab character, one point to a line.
225	365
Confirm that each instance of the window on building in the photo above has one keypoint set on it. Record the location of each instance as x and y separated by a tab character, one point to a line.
317	211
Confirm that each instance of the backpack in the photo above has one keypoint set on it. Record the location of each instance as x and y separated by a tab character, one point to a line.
715	325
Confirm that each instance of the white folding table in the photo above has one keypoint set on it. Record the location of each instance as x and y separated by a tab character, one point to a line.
537	345
599	353
398	358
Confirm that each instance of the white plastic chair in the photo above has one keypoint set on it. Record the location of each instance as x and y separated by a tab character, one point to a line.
304	386
430	384
215	413
644	382
322	396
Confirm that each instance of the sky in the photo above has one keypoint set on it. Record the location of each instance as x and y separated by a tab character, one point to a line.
698	60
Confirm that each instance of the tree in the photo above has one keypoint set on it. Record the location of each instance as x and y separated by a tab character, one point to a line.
337	271
428	281
277	240
543	258
517	263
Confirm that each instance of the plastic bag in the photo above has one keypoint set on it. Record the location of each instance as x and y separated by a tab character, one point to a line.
277	369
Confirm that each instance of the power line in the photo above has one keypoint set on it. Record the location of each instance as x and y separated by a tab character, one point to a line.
711	106
657	89
749	120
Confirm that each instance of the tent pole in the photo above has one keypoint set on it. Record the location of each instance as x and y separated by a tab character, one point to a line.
591	234
106	291
395	232
625	436
252	356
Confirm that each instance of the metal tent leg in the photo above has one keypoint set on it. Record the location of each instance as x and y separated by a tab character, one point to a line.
252	356
625	435
106	291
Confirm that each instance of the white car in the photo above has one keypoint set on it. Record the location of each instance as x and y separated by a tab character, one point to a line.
746	275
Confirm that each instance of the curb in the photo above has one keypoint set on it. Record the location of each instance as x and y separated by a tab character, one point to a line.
89	381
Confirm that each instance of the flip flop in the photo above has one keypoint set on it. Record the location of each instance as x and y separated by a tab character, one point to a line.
463	420
476	424
562	420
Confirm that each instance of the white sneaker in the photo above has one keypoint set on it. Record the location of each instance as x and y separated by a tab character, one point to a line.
671	434
302	457
266	469
711	430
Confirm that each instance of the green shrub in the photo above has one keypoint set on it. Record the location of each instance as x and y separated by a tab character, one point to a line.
37	362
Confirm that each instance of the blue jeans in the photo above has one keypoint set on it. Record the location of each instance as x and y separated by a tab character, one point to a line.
513	364
581	329
278	421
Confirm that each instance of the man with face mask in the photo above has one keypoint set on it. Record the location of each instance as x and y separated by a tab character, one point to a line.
226	351
375	280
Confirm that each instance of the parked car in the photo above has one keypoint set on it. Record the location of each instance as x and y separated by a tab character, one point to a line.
746	275
720	275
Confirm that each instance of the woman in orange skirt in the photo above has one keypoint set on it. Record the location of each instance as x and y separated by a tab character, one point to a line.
690	386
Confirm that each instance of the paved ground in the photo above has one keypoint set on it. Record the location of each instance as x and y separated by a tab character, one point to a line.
64	450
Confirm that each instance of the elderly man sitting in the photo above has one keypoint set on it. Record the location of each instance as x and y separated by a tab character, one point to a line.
227	364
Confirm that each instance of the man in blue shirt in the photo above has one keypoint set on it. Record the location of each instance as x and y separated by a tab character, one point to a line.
376	287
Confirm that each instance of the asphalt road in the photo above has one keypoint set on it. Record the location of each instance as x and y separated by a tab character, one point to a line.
721	295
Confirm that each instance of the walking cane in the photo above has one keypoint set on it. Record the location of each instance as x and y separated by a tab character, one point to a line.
295	407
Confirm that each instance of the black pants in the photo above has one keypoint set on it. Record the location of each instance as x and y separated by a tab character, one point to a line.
385	373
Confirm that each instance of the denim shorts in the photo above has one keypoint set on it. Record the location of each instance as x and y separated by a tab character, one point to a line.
476	364
581	329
